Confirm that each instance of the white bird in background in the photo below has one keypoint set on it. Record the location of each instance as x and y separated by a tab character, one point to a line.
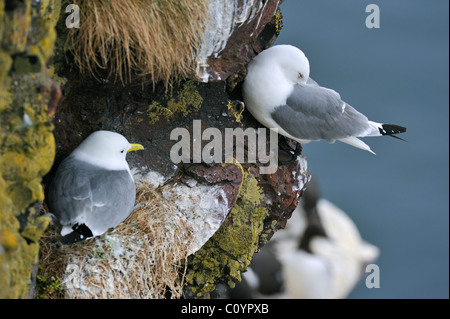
93	188
279	93
326	256
327	266
319	255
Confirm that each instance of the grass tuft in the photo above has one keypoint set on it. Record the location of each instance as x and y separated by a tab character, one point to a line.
139	37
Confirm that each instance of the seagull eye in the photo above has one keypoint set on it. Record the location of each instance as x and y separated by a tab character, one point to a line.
122	151
300	76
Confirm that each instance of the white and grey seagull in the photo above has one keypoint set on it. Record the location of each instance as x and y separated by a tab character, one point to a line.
279	93
93	189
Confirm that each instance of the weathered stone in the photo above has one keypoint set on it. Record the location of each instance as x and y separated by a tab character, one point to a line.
259	211
229	176
147	114
27	148
237	31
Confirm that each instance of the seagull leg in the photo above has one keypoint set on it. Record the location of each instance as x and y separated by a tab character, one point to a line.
298	149
288	151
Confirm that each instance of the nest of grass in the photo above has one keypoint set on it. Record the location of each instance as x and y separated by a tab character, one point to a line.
143	257
142	37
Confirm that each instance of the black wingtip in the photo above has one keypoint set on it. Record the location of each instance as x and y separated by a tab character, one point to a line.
80	232
390	129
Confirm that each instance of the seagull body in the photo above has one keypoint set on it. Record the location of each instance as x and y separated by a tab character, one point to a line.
93	188
323	255
332	264
279	93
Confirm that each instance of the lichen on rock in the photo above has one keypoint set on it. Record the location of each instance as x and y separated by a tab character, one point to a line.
27	146
187	100
146	111
250	224
231	249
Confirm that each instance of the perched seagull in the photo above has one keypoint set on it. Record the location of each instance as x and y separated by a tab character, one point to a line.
93	188
280	94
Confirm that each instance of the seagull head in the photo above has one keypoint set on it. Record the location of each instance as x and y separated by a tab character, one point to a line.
106	149
292	62
289	60
271	77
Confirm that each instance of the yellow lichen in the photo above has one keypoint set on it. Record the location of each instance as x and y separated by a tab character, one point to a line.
237	113
34	229
8	239
16	166
26	141
231	249
278	22
186	100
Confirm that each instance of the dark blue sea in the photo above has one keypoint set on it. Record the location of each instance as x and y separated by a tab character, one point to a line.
397	73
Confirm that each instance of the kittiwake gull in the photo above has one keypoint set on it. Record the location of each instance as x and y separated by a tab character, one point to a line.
93	189
279	93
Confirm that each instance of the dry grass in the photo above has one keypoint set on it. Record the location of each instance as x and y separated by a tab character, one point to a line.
143	37
143	257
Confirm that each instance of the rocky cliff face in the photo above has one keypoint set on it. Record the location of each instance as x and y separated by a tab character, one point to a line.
27	147
243	207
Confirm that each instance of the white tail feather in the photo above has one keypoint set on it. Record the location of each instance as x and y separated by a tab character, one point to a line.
356	142
376	129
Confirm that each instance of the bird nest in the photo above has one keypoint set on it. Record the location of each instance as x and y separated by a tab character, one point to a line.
143	257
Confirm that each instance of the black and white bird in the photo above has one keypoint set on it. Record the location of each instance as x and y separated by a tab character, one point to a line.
322	253
319	255
93	188
279	93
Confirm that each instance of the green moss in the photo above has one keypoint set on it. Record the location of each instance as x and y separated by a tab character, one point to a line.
27	146
5	80
61	45
49	287
186	100
16	26
18	166
272	229
231	249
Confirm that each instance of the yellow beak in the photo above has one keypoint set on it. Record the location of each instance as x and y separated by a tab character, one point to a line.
135	147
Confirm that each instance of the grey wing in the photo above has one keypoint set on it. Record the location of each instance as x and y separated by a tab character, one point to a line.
113	196
69	193
81	193
313	112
